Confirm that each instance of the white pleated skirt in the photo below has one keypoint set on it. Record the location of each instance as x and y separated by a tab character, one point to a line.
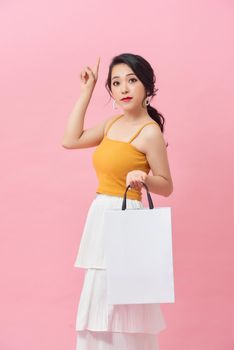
103	326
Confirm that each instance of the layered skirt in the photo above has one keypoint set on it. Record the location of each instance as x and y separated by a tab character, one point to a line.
103	326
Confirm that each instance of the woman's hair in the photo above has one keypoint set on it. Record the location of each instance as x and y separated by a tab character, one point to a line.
145	73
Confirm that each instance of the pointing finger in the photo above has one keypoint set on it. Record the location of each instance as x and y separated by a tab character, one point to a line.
97	65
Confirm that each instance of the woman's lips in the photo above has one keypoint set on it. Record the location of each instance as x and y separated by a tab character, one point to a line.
126	99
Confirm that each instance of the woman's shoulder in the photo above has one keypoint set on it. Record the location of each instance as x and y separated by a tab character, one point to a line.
151	127
111	119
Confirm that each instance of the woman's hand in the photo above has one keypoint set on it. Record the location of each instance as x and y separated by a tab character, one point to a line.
89	77
135	178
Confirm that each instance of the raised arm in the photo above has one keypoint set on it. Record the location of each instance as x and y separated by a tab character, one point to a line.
75	136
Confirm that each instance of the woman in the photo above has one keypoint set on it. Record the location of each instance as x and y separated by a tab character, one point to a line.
129	145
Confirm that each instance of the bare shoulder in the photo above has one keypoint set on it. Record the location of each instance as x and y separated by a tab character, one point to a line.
153	137
109	120
152	130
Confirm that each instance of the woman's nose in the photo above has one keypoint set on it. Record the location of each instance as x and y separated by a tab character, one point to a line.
124	88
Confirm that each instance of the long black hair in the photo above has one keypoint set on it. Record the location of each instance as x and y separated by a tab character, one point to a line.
145	73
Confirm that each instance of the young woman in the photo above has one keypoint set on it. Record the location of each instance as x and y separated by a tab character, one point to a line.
129	145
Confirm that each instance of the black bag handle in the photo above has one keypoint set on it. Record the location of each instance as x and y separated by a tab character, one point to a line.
151	204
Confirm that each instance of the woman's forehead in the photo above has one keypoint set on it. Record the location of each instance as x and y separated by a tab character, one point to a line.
121	70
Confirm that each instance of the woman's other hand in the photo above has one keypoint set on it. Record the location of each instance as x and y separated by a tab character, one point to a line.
135	178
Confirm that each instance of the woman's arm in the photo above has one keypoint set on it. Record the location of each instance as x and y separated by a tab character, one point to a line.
75	124
73	135
161	181
159	185
155	149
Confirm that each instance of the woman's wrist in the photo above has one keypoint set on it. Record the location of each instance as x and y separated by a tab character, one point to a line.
158	185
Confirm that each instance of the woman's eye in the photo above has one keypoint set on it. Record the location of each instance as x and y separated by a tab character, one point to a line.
129	80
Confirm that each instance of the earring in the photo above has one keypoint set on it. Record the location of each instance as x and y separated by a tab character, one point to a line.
146	102
114	105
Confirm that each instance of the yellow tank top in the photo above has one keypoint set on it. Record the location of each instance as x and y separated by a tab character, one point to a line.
113	159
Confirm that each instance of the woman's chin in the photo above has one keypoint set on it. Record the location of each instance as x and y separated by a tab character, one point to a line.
134	109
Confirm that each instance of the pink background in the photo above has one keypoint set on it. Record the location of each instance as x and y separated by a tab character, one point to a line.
46	190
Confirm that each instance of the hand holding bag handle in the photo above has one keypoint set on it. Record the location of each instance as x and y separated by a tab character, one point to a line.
151	205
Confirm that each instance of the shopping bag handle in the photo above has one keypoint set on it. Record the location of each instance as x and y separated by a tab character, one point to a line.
151	204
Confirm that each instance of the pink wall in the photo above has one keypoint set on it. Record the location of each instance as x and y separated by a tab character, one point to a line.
46	190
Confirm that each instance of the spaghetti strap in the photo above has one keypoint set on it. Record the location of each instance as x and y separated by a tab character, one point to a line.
133	137
112	122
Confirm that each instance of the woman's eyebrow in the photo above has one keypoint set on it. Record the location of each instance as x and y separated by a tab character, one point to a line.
119	77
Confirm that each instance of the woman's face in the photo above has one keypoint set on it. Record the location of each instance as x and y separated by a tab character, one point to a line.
125	83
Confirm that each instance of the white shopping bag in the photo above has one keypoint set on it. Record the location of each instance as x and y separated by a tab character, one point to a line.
138	244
